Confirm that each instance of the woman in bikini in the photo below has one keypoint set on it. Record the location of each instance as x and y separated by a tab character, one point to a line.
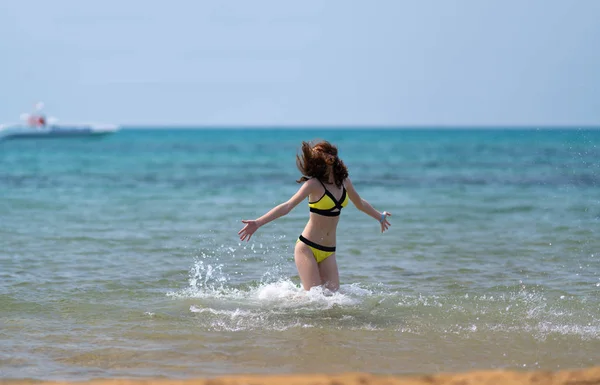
326	184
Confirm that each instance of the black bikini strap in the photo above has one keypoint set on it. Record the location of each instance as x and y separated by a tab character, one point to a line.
327	213
316	245
338	204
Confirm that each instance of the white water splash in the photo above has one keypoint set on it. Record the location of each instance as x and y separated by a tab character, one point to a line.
275	302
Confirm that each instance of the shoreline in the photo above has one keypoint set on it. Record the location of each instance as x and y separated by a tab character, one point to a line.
586	376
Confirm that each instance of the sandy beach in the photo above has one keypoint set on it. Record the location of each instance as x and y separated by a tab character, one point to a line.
589	376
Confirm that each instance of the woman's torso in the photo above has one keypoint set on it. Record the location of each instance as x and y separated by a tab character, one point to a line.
325	206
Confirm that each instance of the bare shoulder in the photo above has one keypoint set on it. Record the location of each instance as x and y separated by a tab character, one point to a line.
311	185
312	181
348	183
352	193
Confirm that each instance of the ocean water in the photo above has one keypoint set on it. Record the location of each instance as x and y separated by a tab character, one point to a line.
119	256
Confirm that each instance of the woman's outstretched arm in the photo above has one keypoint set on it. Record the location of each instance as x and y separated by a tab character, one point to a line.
366	207
278	211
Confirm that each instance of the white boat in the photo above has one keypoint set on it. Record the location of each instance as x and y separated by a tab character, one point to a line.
36	125
16	131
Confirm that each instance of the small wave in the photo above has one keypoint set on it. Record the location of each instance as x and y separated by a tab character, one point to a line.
277	303
209	282
282	294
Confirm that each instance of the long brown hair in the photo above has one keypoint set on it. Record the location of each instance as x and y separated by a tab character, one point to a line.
314	161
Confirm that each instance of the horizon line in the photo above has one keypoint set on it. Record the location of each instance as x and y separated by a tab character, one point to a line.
356	126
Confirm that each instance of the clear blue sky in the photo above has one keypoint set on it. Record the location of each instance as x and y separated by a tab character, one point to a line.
318	62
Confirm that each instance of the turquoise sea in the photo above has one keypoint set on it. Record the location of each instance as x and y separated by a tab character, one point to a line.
119	256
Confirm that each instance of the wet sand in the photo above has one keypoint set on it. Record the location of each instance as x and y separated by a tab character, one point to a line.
589	376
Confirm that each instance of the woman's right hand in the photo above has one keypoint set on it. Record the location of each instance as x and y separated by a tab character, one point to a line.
384	222
250	228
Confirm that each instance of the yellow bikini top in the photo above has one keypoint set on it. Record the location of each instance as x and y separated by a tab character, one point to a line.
327	205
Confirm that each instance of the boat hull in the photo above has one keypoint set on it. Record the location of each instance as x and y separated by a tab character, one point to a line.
27	132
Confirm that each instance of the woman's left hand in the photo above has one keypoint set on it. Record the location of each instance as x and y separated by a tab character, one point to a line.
250	228
384	222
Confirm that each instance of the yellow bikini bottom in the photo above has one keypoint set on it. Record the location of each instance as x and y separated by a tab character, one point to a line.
319	252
